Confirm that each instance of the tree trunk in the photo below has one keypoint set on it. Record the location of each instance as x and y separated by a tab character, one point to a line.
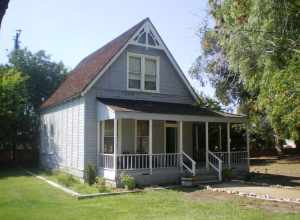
3	7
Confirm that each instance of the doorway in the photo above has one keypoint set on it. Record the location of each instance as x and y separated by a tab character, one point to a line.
171	137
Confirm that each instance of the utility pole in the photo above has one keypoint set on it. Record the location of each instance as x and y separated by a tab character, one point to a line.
17	39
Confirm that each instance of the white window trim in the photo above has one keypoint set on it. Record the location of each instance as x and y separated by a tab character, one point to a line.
143	58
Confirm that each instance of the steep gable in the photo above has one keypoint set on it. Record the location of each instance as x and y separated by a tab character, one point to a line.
79	78
87	72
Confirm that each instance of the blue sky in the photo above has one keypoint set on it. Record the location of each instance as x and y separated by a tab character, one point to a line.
69	30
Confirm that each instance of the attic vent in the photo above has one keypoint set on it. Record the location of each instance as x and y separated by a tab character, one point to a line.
147	37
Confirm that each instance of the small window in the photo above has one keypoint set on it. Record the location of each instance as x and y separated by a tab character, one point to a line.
135	72
109	137
150	74
142	138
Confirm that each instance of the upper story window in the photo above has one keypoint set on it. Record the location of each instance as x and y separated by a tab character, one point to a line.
143	72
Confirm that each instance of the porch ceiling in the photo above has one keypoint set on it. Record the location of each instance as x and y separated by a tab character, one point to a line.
140	109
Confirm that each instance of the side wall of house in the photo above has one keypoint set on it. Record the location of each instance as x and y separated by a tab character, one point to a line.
62	137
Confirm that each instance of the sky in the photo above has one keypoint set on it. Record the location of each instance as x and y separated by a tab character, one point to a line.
69	30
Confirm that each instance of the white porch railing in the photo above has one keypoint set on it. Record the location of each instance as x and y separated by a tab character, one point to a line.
216	163
236	157
165	160
140	161
106	161
188	163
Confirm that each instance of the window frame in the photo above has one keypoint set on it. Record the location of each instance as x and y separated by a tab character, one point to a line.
104	124
143	58
136	136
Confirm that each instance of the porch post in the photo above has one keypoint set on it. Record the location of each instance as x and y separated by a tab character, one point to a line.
248	145
180	145
206	144
228	144
115	143
98	144
150	146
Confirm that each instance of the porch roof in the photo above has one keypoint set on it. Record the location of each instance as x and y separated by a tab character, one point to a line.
125	107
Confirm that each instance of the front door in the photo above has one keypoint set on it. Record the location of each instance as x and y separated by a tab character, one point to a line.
171	139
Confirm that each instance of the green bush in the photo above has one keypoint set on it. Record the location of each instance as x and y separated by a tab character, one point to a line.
227	174
66	179
127	181
100	184
90	174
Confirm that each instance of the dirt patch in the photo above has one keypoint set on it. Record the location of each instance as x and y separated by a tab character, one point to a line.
247	203
207	196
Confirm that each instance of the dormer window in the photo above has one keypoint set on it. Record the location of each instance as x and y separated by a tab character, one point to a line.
143	72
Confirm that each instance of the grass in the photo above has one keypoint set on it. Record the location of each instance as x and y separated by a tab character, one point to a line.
25	197
70	181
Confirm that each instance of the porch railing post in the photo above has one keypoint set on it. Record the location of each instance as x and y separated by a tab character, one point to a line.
181	145
228	145
150	146
206	144
115	143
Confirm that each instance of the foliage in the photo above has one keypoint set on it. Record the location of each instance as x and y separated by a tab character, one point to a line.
100	184
90	174
127	181
37	78
14	112
66	179
43	74
252	59
226	174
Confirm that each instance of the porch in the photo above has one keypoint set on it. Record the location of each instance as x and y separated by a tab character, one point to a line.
142	143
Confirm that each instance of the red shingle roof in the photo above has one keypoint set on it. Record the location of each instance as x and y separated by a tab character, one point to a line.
80	77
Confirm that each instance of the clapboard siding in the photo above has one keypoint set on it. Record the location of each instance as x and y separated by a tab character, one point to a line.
90	127
68	140
113	83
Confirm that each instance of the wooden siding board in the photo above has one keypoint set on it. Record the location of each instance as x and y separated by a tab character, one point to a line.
68	121
113	83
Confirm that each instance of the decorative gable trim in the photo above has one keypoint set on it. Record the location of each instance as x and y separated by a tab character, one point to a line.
146	28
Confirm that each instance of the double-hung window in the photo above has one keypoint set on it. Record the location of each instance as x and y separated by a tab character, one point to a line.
143	72
142	137
108	137
135	72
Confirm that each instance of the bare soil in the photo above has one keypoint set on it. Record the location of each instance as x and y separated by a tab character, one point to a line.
270	206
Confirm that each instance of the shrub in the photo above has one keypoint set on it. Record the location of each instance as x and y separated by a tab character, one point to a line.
127	181
100	184
90	174
66	179
227	174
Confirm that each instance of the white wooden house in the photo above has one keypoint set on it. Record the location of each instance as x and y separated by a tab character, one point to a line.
129	108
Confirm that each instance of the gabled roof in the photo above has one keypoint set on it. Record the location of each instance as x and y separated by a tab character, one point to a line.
80	77
87	72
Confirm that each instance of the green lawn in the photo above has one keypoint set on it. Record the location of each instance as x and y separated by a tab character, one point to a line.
25	197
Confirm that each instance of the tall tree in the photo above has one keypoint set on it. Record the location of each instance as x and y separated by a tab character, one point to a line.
42	77
15	116
252	57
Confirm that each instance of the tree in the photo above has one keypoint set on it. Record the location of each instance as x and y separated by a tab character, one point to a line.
14	113
3	8
42	78
255	45
43	75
